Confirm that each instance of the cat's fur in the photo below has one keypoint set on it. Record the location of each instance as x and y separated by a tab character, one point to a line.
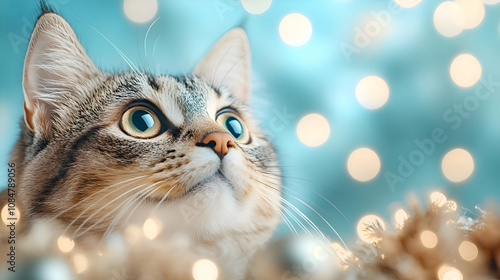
76	166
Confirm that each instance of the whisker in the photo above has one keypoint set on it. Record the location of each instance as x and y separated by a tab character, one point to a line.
146	38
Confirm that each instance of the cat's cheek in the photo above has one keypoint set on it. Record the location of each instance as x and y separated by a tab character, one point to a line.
204	164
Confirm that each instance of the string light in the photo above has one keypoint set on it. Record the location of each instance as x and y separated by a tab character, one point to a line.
473	12
468	251
256	6
6	214
400	218
372	92
363	164
457	165
205	269
295	29
465	70
313	130
151	228
407	3
447	272
438	198
429	239
449	19
81	263
140	11
364	228
65	244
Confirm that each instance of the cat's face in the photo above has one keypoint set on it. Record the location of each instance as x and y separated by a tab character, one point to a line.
101	150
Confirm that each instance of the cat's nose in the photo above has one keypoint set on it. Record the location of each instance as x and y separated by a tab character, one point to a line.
220	142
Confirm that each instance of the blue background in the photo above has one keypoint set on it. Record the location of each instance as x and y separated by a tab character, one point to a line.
290	82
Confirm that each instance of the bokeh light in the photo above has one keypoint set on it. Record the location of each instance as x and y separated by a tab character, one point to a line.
152	228
295	29
256	6
6	215
140	11
81	263
451	206
465	70
364	228
468	251
473	12
205	269
363	164
438	198
407	3
400	218
429	239
457	165
449	19
372	92
447	272
313	130
65	244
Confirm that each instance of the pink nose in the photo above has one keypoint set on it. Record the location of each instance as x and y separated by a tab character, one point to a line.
220	142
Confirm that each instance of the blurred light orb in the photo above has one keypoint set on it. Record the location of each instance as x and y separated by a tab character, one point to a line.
256	7
468	251
491	2
140	11
313	130
205	269
451	206
449	19
372	92
407	3
400	218
81	263
465	70
439	199
295	29
151	228
473	12
6	214
364	228
65	244
457	165
132	234
429	239
447	272
363	164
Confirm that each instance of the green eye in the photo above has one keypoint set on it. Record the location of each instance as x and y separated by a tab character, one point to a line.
140	122
235	125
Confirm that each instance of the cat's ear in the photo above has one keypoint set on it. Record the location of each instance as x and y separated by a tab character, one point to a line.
228	64
54	69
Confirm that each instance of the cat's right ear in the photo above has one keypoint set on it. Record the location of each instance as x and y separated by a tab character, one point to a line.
55	67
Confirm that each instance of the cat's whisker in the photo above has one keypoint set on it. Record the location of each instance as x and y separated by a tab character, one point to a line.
125	58
103	207
315	192
146	39
306	218
122	212
279	208
163	199
94	194
154	45
142	200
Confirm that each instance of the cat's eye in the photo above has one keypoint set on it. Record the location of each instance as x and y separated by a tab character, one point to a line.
234	124
140	122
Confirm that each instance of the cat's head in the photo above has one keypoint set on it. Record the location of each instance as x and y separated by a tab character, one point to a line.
101	149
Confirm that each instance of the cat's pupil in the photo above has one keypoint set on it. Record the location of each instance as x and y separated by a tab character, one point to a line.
142	120
234	126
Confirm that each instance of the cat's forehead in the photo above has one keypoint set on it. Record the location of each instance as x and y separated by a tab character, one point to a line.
182	98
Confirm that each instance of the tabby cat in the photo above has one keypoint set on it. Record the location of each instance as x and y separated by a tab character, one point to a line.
99	151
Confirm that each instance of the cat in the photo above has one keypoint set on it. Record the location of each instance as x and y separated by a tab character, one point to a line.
98	151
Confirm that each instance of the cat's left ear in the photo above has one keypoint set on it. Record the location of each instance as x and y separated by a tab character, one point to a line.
228	64
56	69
